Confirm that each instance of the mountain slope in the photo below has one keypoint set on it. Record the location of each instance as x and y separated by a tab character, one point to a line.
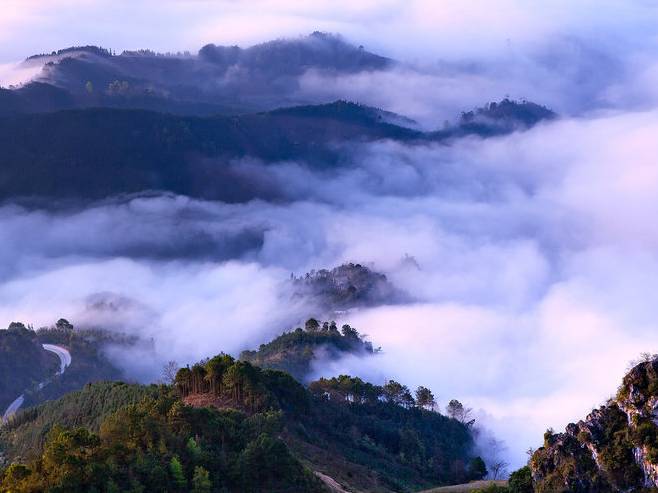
345	287
23	363
614	449
219	79
96	153
239	427
295	352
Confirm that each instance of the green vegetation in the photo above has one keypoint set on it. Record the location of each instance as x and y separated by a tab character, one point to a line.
99	152
612	449
344	287
295	351
88	364
23	362
520	481
25	435
161	445
226	425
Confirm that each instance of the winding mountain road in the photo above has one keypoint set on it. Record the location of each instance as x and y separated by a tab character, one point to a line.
64	361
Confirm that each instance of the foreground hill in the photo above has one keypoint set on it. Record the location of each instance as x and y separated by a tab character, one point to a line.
95	153
614	449
229	426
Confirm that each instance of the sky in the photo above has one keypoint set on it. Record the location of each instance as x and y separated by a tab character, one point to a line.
537	250
424	30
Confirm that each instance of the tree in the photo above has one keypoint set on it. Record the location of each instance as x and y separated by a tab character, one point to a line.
215	369
65	458
176	469
64	324
169	371
521	481
201	481
456	410
497	464
15	477
398	394
312	325
183	381
477	469
16	326
498	469
349	332
425	398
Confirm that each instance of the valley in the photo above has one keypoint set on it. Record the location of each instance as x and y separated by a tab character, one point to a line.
311	247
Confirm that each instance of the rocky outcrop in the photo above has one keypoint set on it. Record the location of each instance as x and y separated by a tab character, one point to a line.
614	449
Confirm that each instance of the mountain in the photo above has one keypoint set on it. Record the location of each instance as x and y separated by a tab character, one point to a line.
226	425
24	364
218	79
96	153
345	287
92	154
614	449
497	118
295	352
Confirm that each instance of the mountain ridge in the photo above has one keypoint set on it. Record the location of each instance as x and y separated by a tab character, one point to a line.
92	154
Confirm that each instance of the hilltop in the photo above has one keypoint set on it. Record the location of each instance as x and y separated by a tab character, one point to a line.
295	352
345	287
216	80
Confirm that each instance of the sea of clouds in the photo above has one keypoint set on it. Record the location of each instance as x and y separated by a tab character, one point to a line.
536	251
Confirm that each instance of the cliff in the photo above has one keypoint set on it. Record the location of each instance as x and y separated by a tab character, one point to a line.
614	449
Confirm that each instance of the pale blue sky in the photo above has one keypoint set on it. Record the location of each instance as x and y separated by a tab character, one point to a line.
409	29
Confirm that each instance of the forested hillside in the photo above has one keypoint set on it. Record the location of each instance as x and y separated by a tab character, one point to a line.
345	287
96	153
294	352
23	362
217	79
89	362
226	425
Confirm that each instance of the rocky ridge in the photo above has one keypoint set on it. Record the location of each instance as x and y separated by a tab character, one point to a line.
614	449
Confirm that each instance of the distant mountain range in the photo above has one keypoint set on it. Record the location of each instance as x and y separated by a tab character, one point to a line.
96	153
142	121
218	79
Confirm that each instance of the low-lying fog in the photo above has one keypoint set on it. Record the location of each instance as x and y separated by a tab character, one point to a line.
536	252
536	257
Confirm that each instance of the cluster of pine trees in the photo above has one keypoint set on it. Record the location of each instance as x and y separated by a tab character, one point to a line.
353	389
160	444
241	384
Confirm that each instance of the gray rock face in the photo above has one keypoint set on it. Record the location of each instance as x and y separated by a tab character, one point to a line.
614	449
